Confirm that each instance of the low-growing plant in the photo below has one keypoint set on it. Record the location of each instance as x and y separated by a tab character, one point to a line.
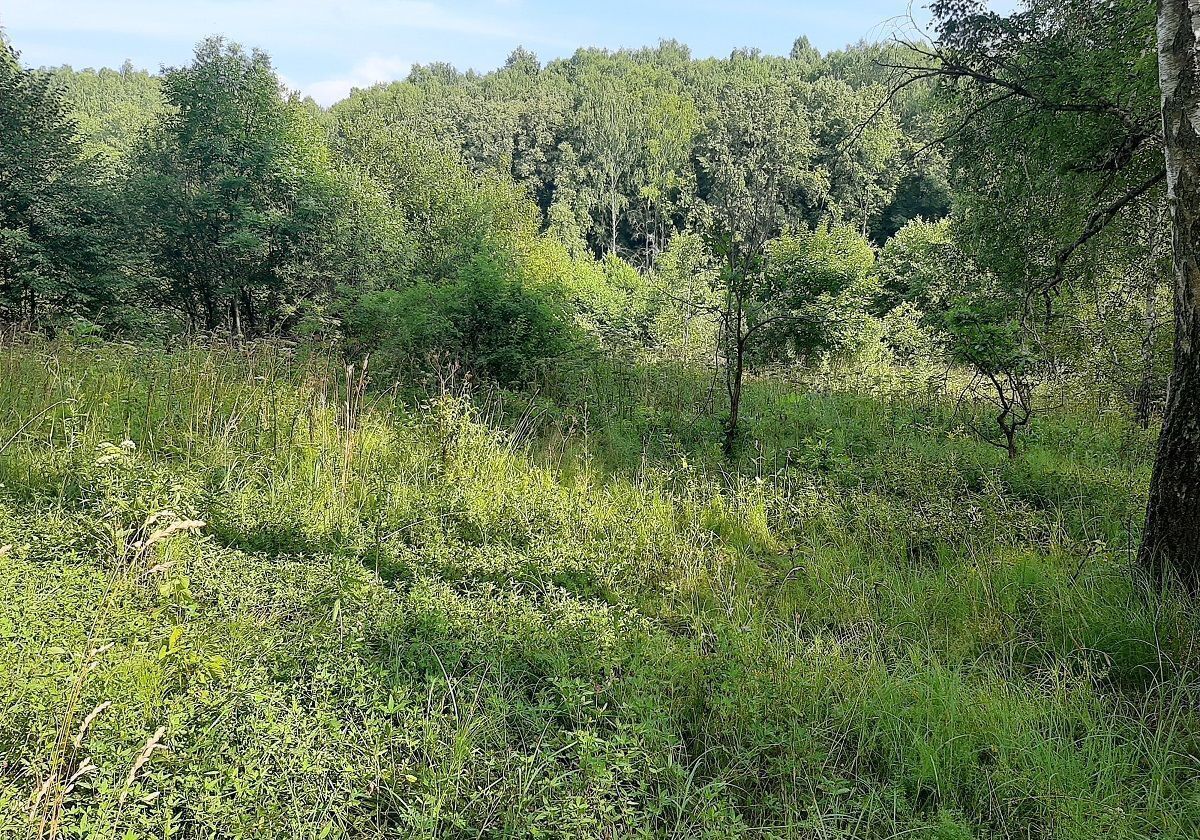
241	594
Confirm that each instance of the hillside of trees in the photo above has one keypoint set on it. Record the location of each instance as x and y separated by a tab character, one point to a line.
772	210
626	445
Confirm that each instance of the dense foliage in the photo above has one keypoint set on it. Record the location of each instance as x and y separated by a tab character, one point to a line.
247	210
631	445
54	218
624	201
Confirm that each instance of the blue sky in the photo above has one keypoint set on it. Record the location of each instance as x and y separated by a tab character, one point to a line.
324	48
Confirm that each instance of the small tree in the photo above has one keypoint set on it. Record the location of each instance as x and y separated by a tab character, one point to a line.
753	165
970	314
984	333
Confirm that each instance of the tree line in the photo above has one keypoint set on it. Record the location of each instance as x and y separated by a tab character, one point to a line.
995	198
630	199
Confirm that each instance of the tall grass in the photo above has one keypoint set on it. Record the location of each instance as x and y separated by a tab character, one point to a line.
565	615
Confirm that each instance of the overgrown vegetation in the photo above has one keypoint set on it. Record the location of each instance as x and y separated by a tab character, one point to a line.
633	445
465	615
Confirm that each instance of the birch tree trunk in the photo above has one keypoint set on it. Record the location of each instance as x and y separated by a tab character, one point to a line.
1171	540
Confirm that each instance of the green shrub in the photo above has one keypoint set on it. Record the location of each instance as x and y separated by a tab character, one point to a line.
484	319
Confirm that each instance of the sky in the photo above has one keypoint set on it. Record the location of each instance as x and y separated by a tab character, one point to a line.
324	47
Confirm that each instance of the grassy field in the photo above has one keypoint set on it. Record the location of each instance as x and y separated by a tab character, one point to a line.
243	595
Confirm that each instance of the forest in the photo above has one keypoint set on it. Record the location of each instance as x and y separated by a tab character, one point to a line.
629	445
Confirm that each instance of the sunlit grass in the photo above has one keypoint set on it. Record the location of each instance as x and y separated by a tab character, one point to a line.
424	616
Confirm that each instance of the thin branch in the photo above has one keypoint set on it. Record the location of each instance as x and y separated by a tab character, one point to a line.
861	128
1099	220
948	68
950	135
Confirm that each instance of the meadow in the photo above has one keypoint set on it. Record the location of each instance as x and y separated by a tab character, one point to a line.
255	594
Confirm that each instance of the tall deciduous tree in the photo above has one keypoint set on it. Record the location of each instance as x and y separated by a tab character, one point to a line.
1171	540
1076	78
54	227
857	155
1054	124
227	190
610	143
665	172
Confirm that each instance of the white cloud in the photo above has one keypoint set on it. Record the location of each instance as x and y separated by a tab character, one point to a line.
317	43
367	72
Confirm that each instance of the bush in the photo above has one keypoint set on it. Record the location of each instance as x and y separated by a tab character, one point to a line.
493	324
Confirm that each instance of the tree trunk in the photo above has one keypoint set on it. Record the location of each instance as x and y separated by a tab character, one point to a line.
1145	389
235	316
249	320
210	309
1171	540
735	394
1010	441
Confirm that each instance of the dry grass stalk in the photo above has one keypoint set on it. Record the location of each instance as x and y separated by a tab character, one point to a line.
38	794
164	533
87	722
161	567
87	768
176	527
97	651
151	745
160	516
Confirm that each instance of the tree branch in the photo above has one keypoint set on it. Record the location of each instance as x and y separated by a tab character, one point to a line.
948	68
1099	220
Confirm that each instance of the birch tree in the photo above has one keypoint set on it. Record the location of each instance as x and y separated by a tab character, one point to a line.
1171	539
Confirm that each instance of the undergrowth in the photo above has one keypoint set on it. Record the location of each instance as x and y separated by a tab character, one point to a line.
244	595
